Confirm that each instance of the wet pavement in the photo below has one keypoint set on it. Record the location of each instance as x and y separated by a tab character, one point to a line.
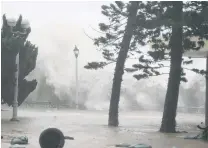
90	130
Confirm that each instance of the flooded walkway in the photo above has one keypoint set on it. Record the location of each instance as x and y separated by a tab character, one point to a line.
90	130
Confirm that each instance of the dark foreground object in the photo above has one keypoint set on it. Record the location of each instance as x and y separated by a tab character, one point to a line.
53	138
203	135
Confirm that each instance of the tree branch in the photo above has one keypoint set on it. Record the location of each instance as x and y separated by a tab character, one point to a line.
111	42
159	74
96	30
88	35
97	65
119	25
110	63
139	66
145	76
119	20
201	72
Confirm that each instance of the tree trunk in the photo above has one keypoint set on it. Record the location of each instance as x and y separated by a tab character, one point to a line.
119	69
206	98
171	99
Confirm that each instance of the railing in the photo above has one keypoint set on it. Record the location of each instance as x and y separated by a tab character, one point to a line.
191	109
32	104
47	104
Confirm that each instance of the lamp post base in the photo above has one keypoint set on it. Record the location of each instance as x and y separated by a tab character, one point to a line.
14	115
14	119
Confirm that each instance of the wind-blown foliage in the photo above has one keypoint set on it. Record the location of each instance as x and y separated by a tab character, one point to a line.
10	46
169	33
115	42
153	27
169	30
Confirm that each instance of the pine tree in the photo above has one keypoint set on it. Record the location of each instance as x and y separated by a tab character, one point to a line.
119	37
190	23
158	25
10	46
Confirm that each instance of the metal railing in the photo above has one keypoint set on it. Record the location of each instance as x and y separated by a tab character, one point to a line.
47	104
191	109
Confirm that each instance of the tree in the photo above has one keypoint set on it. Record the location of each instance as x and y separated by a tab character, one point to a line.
119	69
122	46
169	27
158	25
10	46
171	101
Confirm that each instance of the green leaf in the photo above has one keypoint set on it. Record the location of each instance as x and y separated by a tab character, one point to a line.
106	13
95	65
138	66
109	36
202	72
103	27
104	7
188	62
140	76
102	40
130	69
183	79
141	59
120	4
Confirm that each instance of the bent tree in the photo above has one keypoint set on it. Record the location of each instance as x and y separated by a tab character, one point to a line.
10	46
183	29
119	69
120	40
171	26
169	113
156	25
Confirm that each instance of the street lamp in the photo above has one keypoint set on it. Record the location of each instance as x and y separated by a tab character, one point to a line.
76	53
24	25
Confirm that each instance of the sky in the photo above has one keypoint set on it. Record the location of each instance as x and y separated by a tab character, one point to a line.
62	22
56	28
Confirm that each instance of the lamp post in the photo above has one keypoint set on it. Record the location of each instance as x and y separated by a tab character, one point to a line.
24	25
76	53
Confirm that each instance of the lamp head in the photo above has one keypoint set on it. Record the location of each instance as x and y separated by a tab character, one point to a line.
25	24
76	51
11	22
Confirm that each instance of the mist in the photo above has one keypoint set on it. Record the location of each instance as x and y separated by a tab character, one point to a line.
57	29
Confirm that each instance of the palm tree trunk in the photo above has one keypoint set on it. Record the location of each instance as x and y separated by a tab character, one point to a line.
119	69
171	99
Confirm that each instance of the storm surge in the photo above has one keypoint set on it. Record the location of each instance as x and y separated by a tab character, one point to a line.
55	73
95	90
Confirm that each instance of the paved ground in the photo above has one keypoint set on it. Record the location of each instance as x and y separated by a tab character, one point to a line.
90	128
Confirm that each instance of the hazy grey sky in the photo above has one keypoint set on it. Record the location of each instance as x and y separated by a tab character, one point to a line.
57	27
61	23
